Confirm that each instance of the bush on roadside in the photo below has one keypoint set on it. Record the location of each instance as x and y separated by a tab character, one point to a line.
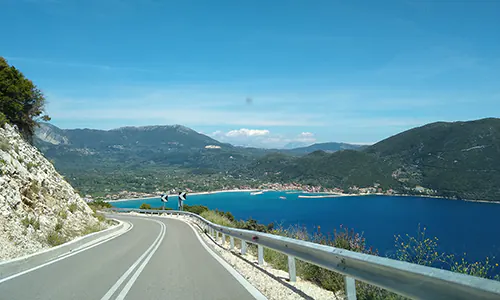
419	250
55	238
195	209
99	204
145	206
216	218
88	229
424	251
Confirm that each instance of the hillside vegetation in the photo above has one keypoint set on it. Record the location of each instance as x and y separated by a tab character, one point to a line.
457	159
21	103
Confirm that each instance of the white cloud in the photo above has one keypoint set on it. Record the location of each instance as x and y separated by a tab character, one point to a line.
262	138
243	132
306	134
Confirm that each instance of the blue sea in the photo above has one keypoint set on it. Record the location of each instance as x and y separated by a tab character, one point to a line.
461	227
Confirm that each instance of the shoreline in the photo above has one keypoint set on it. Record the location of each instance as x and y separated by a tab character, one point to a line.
323	195
188	194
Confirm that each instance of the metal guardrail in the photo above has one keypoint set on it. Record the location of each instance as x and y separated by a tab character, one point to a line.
406	279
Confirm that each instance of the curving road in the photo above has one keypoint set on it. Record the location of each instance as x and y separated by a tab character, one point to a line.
159	258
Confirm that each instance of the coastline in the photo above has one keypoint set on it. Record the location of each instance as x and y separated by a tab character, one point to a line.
188	194
322	195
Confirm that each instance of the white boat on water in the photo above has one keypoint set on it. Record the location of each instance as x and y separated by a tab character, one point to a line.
256	193
283	197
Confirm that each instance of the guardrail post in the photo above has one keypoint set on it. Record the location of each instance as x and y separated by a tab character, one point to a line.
243	247
231	241
223	242
291	269
350	288
261	254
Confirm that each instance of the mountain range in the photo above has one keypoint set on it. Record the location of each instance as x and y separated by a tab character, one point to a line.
453	159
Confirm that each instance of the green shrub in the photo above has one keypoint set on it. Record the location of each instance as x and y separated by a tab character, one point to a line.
72	207
216	218
3	119
100	217
63	214
419	250
424	251
145	206
195	209
99	204
478	269
54	238
4	146
91	228
30	166
21	102
59	226
31	221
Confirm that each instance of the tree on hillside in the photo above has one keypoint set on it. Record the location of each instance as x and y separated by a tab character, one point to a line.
21	102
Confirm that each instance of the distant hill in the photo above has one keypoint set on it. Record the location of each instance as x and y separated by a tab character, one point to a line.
327	147
293	145
170	137
454	159
134	147
339	169
459	159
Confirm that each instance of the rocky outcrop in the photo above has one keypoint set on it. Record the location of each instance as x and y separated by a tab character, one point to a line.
38	208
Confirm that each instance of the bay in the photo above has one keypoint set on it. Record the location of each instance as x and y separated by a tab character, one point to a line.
469	228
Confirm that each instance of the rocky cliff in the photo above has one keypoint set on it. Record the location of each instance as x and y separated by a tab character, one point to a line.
38	208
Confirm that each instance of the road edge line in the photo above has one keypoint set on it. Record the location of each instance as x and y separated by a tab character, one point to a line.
242	280
52	261
107	231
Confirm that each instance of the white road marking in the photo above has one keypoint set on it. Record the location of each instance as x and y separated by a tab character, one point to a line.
118	283
247	285
134	277
64	257
4	262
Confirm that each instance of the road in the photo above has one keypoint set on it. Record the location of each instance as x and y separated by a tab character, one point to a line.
159	258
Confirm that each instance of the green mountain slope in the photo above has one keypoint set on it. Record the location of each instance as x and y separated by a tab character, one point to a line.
341	169
457	159
453	159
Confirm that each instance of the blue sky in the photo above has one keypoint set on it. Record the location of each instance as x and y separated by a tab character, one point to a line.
316	71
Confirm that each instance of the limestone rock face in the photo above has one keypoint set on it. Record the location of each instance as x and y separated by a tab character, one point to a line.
38	208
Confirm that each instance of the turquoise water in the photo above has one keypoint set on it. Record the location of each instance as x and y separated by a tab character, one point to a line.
461	226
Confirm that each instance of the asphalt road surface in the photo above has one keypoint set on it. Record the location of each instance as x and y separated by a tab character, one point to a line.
159	258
